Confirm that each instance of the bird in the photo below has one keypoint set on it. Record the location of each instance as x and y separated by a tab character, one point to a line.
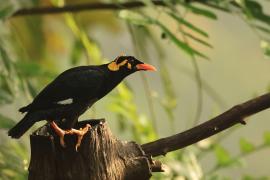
73	92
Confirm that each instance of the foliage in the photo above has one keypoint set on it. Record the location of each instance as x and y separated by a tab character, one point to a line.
31	55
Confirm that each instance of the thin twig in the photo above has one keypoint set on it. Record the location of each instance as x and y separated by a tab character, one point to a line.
150	102
146	87
233	116
197	75
209	90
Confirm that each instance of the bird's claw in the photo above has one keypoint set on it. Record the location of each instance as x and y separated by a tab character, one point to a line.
62	141
79	132
60	132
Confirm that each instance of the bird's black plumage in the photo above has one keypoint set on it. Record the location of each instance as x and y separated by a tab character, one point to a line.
73	92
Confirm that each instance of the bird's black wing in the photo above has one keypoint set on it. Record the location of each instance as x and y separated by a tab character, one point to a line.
74	85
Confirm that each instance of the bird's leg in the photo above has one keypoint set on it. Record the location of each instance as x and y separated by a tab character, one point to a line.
60	132
80	133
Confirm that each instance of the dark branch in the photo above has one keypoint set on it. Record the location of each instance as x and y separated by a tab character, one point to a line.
84	7
99	6
235	115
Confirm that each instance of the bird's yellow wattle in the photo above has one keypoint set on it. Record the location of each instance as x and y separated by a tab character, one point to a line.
113	66
129	66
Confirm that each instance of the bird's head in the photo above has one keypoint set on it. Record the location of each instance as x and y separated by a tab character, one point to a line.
129	64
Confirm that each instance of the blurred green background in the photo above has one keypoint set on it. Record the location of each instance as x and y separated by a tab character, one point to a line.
210	56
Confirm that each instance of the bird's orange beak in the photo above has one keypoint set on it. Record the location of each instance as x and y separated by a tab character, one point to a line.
146	67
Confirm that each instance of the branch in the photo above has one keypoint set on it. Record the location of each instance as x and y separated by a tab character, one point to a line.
84	7
100	6
235	115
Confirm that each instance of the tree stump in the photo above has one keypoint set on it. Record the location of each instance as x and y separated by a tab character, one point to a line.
101	156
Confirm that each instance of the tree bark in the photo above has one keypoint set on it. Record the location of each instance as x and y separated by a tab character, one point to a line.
100	157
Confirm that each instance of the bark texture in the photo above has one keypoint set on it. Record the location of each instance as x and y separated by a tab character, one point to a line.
100	157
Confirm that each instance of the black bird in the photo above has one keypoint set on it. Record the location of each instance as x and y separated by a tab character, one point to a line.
73	92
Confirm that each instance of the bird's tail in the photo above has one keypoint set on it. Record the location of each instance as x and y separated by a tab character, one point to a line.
21	127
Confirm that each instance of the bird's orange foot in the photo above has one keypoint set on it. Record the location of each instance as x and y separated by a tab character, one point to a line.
60	132
80	133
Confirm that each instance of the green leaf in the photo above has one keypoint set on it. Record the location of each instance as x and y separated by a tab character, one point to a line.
198	40
222	155
5	122
6	10
186	48
7	62
5	98
200	54
199	11
5	84
203	12
6	94
263	29
255	10
246	146
188	24
174	39
266	137
266	48
134	17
